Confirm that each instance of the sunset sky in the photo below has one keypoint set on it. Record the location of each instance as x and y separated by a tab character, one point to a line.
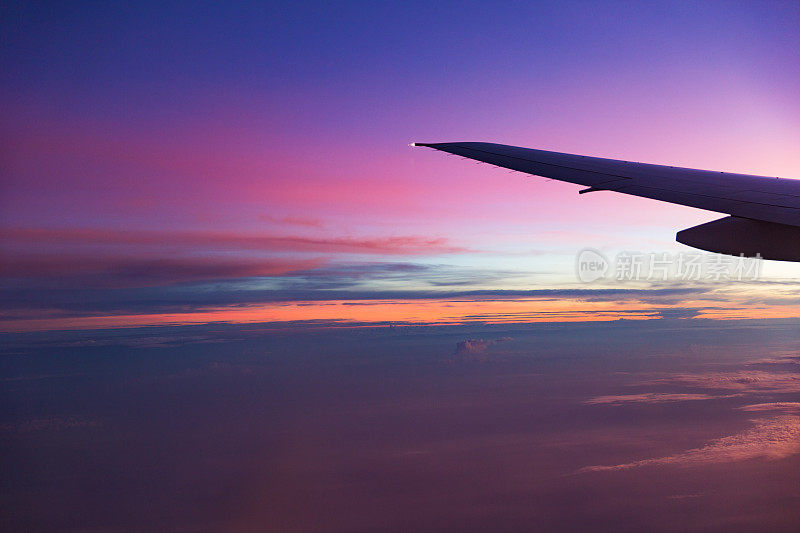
172	164
233	295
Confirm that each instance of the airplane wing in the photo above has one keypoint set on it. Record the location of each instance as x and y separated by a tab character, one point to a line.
764	212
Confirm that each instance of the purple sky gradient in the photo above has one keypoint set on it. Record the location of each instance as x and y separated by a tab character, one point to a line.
233	298
291	124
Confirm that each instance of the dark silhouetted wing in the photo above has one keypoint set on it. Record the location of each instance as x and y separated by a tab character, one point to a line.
740	195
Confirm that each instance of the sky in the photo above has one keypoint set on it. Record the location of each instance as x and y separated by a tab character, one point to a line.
204	198
221	153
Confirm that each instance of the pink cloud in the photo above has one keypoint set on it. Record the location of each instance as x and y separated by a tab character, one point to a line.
90	270
476	345
751	381
293	220
773	438
474	349
787	407
785	361
208	240
650	397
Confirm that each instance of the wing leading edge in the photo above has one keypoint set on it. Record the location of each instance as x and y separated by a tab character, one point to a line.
770	201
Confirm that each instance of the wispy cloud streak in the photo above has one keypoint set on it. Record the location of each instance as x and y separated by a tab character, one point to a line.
772	438
649	398
207	240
